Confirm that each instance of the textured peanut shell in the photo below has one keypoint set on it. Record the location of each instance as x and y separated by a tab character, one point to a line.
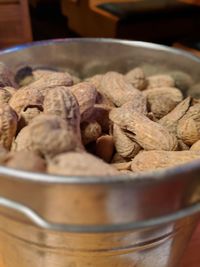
3	153
126	147
90	131
27	116
105	147
160	80
24	98
48	135
10	90
26	81
182	145
148	134
85	94
44	73
123	166
6	76
162	100
49	82
170	121
75	79
41	73
196	146
126	173
25	160
52	135
118	159
137	78
188	128
95	80
114	87
152	160
81	164
23	140
104	101
61	102
4	96
8	125
137	103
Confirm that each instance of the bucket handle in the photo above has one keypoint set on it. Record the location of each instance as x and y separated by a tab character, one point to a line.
37	220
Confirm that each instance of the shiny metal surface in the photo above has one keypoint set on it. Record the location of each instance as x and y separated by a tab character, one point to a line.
23	245
142	221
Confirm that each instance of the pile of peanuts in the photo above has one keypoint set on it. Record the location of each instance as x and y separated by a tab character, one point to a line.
108	124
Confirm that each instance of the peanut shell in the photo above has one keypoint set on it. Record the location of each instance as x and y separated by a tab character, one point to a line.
188	129
75	79
137	78
85	94
160	80
49	82
81	164
61	102
118	159
24	98
4	96
3	153
182	145
170	121
27	115
8	125
47	135
90	131
125	147
148	134
138	104
6	76
10	90
95	80
151	160
124	166
162	100
25	160
196	146
114	87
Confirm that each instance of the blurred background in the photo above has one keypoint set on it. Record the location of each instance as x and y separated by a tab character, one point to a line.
170	22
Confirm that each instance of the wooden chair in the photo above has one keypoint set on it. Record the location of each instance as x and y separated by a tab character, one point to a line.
15	27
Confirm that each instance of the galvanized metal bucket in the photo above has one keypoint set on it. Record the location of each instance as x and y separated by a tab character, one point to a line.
142	221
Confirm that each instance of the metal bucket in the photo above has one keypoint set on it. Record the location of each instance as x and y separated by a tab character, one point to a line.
144	221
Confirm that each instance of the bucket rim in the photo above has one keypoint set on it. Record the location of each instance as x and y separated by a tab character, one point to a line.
156	175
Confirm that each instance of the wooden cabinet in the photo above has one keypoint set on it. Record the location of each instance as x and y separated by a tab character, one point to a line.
15	25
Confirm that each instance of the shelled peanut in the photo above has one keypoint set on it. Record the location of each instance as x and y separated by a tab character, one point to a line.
52	121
